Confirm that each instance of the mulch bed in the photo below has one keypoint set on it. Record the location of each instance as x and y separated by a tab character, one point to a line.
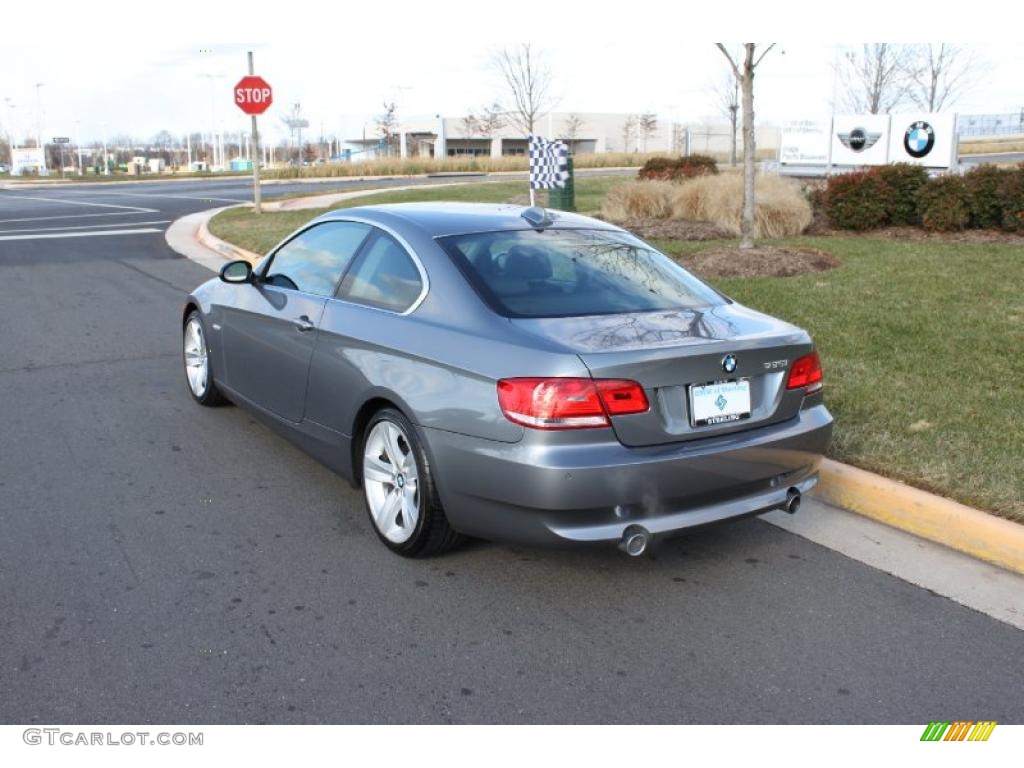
671	229
760	261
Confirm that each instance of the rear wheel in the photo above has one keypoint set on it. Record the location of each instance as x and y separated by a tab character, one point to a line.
196	356
398	485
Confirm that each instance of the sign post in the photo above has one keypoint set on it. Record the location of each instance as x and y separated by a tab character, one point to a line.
253	96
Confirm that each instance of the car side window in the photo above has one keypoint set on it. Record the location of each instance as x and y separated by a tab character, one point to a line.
315	260
383	276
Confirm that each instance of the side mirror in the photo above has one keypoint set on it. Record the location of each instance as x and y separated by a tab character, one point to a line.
236	272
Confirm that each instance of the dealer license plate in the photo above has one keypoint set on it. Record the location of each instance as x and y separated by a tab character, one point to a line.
719	402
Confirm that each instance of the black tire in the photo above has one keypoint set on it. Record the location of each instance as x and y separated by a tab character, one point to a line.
211	396
432	534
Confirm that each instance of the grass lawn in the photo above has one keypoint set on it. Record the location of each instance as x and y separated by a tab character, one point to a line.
261	233
921	341
921	344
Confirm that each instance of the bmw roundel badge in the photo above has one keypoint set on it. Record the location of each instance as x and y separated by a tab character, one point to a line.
919	139
729	363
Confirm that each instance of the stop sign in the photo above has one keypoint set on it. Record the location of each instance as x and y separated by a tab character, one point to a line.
252	95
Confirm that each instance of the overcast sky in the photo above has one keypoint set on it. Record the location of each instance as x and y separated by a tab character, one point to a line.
144	84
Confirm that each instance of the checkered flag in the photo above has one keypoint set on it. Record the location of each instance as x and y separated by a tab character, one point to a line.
549	163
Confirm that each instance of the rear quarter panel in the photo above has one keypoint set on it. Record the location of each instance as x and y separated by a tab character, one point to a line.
442	374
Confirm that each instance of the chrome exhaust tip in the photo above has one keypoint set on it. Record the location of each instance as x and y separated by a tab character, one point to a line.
635	540
793	498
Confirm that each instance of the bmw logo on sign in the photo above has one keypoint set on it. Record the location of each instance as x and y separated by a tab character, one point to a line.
729	363
919	139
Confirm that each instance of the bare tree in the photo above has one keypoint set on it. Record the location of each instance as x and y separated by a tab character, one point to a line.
940	73
528	79
726	91
648	124
470	126
571	130
492	120
744	73
387	124
628	129
878	77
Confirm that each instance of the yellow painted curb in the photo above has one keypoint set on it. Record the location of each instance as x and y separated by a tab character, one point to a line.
923	514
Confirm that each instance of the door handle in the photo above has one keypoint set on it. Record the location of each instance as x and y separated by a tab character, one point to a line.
303	324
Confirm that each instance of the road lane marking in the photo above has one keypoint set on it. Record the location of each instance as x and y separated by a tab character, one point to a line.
80	226
181	197
81	234
78	216
80	202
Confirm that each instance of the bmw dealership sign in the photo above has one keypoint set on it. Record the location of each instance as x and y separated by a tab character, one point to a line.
923	139
850	141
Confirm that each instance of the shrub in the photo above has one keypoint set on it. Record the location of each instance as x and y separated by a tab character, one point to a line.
859	200
905	182
638	200
945	206
780	208
985	201
674	169
1011	192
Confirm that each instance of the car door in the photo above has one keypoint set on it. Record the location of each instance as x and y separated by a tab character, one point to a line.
271	328
364	330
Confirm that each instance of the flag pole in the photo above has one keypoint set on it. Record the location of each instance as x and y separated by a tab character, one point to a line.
533	200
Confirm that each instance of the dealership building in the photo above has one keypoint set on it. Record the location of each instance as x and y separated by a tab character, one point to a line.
588	132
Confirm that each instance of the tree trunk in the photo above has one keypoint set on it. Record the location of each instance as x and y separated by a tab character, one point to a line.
735	129
747	84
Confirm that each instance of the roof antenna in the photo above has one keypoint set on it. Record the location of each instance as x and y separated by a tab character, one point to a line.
537	217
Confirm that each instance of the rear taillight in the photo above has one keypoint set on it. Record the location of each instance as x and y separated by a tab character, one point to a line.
806	373
568	403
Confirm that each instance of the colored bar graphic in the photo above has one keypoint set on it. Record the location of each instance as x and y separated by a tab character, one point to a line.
959	730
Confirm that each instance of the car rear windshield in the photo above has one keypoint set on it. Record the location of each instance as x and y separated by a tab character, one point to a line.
570	272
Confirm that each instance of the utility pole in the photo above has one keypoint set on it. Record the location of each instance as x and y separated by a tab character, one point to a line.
212	159
39	126
106	159
78	141
256	155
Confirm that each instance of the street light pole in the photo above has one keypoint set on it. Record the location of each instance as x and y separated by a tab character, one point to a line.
213	120
39	126
78	141
106	157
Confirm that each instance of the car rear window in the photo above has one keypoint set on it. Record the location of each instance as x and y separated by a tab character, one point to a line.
571	272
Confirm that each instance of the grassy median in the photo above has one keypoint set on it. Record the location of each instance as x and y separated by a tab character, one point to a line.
921	342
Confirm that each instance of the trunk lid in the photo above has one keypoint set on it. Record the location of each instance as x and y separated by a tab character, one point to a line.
670	352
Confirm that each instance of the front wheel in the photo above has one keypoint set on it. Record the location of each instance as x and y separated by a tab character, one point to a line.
401	497
196	356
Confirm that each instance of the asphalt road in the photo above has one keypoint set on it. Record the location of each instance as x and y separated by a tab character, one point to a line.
161	562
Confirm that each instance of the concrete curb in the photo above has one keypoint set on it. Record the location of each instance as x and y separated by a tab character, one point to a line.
190	236
226	250
923	514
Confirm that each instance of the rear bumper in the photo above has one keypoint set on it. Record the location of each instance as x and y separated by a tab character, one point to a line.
537	493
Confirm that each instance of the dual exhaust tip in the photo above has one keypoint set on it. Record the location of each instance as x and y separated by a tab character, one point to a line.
636	538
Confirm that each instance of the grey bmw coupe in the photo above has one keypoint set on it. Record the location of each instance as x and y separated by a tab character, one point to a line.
512	374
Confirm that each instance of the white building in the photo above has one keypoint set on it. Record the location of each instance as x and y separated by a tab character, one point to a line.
587	132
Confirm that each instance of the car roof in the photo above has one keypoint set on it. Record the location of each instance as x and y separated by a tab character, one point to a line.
438	219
